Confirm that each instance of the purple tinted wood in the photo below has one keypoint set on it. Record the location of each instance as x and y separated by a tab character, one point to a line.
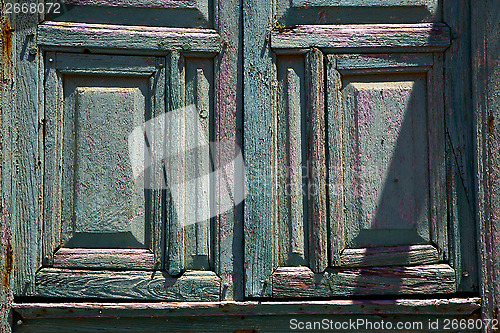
394	37
136	3
104	258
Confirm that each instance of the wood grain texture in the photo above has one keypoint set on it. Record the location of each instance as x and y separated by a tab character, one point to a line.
259	147
335	137
460	133
389	256
316	186
437	159
292	236
199	91
192	285
7	92
104	259
228	127
166	4
394	280
52	155
231	324
392	62
339	39
93	36
384	152
176	168
449	306
24	138
295	162
85	205
485	96
359	3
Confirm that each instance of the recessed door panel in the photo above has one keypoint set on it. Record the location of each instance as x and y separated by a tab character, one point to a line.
386	184
172	13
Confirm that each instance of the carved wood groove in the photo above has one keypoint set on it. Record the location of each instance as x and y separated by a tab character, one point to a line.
77	36
394	280
295	163
423	37
192	285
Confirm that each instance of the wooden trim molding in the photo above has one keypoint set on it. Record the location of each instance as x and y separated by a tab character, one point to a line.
292	282
192	285
76	36
451	306
360	3
425	37
135	259
486	107
167	4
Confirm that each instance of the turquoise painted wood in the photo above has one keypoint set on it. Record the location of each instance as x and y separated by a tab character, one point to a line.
99	77
366	170
360	172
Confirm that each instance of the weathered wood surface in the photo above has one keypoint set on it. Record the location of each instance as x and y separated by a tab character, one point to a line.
291	13
385	62
7	92
486	102
316	178
291	154
389	256
260	148
384	153
228	127
26	170
394	280
460	137
437	158
166	4
359	3
448	306
424	37
262	323
104	259
192	285
78	36
85	205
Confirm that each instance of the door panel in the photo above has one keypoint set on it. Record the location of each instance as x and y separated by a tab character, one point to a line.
92	198
105	223
358	146
296	12
387	151
172	13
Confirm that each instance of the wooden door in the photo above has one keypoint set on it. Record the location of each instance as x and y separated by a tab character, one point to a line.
355	181
104	71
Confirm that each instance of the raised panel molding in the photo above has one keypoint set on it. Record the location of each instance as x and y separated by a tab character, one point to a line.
161	13
81	92
360	3
192	285
137	3
289	282
425	37
336	100
78	37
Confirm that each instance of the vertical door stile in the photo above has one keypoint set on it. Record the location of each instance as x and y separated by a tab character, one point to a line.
203	160
316	187
294	192
176	165
158	181
53	156
437	161
335	188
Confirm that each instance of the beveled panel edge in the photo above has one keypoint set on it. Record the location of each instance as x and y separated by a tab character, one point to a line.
75	36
